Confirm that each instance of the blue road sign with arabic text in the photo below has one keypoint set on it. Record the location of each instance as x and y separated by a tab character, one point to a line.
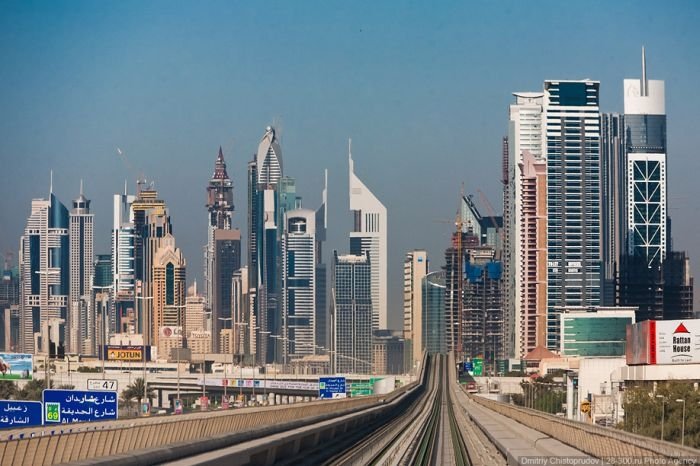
18	414
331	387
68	406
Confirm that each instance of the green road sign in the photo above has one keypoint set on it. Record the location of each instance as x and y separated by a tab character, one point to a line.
478	367
53	412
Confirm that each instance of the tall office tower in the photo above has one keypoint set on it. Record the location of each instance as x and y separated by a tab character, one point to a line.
645	210
415	268
151	225
264	231
80	323
572	135
240	312
298	285
101	319
321	307
352	314
123	264
532	247
613	173
44	265
169	289
645	144
369	234
524	134
433	307
223	251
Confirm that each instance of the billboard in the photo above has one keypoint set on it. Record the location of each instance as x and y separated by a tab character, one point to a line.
68	406
126	353
664	342
169	331
16	366
331	387
16	414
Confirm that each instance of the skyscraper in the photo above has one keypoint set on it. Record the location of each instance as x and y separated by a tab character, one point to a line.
645	144
369	234
264	231
613	180
524	135
434	325
572	148
298	284
223	252
352	314
123	264
321	280
44	270
169	291
80	320
651	276
415	268
532	248
151	225
242	321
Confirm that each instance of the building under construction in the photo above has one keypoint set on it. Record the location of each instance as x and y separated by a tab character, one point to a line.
473	287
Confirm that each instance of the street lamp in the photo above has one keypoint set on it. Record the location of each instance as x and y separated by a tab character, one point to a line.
663	413
143	348
683	428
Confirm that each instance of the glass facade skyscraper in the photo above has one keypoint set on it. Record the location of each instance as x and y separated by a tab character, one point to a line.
433	309
572	147
352	314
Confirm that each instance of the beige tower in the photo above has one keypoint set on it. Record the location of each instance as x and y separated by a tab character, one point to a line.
169	287
415	267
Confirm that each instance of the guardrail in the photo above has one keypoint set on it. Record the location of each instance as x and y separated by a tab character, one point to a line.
69	443
610	444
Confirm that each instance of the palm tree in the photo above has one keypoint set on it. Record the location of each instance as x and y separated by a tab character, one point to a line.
135	390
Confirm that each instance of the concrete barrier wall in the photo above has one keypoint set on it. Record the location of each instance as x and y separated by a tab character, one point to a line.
67	443
594	440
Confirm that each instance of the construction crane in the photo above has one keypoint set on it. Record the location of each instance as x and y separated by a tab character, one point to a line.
492	215
139	176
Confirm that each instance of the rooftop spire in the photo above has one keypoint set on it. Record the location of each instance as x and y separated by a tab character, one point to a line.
81	186
220	167
51	183
644	88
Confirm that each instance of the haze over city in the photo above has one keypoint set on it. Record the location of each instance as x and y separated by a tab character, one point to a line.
423	91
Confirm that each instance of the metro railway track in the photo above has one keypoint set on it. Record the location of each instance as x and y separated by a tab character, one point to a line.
415	437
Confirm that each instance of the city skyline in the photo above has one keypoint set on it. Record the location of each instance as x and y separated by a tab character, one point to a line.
387	148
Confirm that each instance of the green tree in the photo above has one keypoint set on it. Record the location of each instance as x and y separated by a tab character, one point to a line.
8	390
32	390
645	410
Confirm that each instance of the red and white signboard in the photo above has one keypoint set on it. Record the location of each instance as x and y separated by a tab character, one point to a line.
664	342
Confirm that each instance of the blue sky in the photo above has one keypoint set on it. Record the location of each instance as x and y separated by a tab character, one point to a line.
422	88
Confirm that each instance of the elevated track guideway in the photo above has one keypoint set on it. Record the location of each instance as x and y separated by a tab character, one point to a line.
419	426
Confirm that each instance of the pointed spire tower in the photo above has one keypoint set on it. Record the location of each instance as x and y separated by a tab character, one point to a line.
220	195
223	250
